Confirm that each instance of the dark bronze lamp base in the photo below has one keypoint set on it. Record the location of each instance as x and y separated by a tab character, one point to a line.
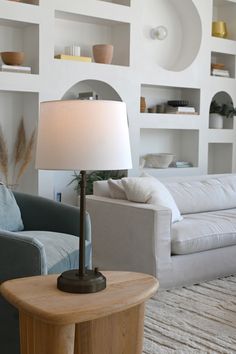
91	281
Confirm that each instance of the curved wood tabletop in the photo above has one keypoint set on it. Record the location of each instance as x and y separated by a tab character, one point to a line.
40	297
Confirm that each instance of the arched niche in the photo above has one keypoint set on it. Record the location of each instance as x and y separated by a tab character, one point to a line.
223	97
184	33
100	89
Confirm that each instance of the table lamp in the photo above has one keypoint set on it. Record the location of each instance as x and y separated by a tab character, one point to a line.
82	135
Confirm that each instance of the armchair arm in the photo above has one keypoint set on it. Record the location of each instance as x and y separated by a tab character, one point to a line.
40	213
130	236
20	256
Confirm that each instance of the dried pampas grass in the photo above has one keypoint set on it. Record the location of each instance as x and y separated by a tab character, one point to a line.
27	156
20	144
22	154
3	156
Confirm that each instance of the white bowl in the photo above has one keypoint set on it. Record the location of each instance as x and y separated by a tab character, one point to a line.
161	160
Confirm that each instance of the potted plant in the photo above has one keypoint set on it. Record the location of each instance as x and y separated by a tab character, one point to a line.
217	113
93	176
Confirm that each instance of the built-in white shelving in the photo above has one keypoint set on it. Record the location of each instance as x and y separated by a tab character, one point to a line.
120	2
176	68
225	10
160	95
87	31
220	157
182	143
228	60
21	36
168	121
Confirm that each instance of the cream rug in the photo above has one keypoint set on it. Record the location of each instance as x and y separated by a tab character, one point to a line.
197	319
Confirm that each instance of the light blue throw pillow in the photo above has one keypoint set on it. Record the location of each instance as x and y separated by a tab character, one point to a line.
10	216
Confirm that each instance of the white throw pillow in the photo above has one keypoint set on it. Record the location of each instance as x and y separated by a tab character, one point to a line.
116	189
150	190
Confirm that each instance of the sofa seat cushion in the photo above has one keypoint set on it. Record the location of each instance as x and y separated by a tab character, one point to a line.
204	231
61	249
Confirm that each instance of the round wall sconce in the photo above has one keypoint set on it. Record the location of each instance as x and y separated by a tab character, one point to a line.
159	32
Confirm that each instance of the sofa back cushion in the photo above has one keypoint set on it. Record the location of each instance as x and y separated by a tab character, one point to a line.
10	216
211	194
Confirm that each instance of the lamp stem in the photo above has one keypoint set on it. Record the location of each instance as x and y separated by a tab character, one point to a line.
82	224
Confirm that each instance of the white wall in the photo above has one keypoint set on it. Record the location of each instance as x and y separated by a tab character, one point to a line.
177	67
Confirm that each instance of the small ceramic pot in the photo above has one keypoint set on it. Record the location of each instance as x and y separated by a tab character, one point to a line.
216	121
103	53
219	29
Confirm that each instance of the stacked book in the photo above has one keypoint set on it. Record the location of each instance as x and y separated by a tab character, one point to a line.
181	164
73	57
220	72
15	69
180	110
218	69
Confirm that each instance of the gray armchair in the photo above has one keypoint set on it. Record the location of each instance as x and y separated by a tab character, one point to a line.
48	244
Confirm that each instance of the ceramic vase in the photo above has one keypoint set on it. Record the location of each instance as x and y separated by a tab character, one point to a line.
219	29
143	105
216	121
103	53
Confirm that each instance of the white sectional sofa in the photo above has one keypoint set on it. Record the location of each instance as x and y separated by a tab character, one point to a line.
141	237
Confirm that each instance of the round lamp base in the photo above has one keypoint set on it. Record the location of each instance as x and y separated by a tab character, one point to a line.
90	282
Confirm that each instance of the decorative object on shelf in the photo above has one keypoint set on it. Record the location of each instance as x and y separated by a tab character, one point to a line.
32	2
219	66
15	69
87	96
219	29
181	164
160	32
217	69
178	103
220	72
103	53
180	109
21	158
73	57
152	109
96	176
93	135
73	50
217	113
216	121
161	108
143	104
12	58
160	160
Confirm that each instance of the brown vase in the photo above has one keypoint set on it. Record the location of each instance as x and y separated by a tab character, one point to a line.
103	53
143	105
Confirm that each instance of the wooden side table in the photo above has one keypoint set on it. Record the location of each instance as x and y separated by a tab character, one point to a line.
54	322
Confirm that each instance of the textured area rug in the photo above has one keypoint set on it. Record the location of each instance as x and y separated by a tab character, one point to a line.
196	319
